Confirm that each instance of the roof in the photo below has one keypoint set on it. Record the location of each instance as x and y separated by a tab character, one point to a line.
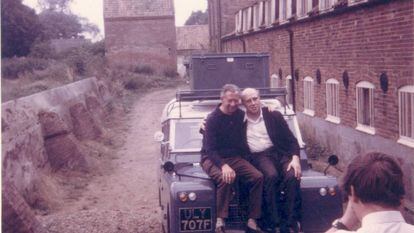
192	37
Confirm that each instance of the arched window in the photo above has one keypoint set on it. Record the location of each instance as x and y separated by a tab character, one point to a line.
308	96
332	100
289	89
274	81
365	106
406	114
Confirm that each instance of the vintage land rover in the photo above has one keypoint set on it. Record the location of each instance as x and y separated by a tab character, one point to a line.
186	194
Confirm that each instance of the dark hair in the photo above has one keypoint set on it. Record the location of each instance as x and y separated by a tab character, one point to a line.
376	178
229	87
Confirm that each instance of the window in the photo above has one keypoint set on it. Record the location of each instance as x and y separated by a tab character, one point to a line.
406	115
247	19
256	16
332	100
239	22
326	5
285	10
268	13
289	89
274	81
304	6
365	107
308	96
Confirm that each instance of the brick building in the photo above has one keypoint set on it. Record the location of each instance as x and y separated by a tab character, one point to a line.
190	39
353	70
140	33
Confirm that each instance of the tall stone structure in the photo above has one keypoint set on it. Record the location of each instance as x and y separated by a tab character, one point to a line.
140	33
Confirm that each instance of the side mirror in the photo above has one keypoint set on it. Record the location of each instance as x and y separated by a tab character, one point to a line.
158	136
332	161
168	166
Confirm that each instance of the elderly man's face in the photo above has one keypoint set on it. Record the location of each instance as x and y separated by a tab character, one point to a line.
230	101
251	101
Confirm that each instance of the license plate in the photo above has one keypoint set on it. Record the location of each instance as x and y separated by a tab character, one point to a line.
195	219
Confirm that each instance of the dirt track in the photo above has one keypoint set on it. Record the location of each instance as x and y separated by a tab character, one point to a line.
124	199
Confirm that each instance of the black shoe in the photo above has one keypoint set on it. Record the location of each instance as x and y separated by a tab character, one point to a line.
250	230
220	230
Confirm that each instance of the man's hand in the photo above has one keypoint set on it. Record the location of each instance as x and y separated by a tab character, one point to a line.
295	164
229	175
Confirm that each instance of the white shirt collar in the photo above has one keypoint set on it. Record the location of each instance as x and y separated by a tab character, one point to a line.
246	118
382	217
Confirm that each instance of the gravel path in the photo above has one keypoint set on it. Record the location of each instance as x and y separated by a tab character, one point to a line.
125	199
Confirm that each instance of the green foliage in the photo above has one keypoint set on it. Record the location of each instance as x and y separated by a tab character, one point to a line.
55	5
170	73
12	68
57	25
42	49
144	69
197	18
19	28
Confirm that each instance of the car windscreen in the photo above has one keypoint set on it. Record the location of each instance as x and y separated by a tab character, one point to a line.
186	135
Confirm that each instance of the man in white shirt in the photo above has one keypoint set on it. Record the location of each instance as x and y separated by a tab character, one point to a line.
374	187
274	151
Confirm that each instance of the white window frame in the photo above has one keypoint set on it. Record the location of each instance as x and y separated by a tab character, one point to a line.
274	81
355	2
308	96
303	7
361	108
239	21
273	18
288	85
250	18
326	5
261	14
332	101
268	13
256	16
406	115
285	10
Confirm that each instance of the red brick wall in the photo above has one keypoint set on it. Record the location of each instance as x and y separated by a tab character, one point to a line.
363	40
142	41
223	23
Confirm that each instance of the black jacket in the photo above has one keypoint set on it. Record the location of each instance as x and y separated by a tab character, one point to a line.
284	142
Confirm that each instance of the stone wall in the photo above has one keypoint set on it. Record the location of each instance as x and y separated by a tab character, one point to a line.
40	135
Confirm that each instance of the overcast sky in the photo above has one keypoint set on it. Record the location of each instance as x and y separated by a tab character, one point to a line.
93	9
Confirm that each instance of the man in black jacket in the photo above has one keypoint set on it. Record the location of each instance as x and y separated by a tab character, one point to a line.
274	151
223	155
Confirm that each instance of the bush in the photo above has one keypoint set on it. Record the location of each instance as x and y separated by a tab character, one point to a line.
42	50
12	68
144	69
170	73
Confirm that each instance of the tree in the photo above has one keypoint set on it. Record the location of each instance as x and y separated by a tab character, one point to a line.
57	25
197	18
19	28
55	5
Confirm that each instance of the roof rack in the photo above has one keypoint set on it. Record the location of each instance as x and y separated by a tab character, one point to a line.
214	94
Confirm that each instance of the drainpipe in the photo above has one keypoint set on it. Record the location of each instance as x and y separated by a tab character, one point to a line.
219	25
292	69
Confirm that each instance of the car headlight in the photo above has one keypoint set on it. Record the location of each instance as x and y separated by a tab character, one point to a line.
183	196
192	196
323	192
332	191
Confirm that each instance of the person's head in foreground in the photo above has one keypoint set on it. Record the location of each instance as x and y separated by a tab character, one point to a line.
374	187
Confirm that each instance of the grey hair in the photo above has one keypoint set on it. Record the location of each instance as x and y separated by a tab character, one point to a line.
229	87
249	89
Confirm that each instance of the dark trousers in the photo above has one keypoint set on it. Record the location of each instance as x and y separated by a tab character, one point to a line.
245	172
281	192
